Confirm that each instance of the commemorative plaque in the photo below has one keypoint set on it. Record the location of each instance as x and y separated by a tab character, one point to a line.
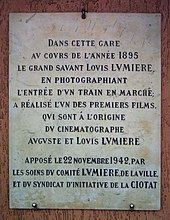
84	111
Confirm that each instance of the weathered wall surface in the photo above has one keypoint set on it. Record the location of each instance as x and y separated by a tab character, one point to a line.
116	6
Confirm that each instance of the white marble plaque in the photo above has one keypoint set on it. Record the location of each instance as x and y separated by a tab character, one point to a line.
84	111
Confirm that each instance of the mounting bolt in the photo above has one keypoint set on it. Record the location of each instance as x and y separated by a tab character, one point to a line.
83	15
34	205
132	206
